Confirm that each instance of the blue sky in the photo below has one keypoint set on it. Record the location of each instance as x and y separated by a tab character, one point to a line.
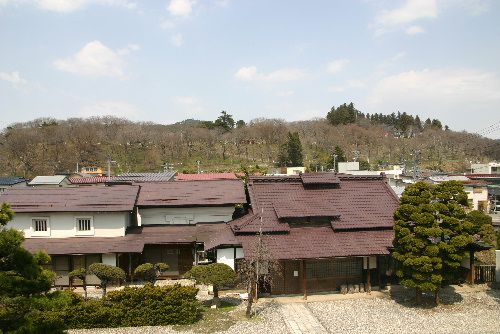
165	61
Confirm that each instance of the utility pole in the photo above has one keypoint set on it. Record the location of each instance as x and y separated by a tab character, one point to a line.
335	163
109	168
198	163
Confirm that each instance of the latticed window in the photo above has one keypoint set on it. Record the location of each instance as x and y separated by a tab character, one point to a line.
40	225
84	224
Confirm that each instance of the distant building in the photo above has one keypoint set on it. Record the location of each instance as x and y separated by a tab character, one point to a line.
477	190
12	182
489	168
93	171
50	181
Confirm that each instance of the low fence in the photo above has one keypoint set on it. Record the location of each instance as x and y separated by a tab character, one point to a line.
484	273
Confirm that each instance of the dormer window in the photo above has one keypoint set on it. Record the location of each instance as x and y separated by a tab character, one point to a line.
40	227
84	225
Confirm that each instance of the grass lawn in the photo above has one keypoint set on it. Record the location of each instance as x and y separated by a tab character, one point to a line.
219	319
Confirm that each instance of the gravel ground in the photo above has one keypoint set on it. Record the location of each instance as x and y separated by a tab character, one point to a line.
473	312
469	311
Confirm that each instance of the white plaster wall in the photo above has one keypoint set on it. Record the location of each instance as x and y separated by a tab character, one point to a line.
239	253
476	197
109	258
193	215
62	224
226	256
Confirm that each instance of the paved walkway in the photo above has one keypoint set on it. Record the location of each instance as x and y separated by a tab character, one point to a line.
300	320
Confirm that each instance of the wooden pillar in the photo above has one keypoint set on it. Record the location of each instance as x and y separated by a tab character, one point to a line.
378	274
130	266
472	268
304	277
368	277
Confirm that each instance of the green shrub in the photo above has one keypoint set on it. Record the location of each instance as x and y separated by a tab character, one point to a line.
39	314
93	314
216	274
106	274
131	307
150	272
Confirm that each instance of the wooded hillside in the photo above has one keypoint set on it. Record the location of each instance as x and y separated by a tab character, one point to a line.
48	146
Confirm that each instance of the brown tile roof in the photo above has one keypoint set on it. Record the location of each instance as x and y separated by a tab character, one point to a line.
164	234
87	245
319	179
215	235
78	199
205	176
320	242
192	193
89	180
361	201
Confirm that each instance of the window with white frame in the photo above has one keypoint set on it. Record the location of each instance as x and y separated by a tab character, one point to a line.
84	225
40	226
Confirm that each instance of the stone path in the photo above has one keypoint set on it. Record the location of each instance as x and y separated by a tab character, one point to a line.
300	320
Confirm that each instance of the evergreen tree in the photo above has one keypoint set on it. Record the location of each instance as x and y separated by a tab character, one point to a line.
344	114
291	152
432	232
225	121
337	156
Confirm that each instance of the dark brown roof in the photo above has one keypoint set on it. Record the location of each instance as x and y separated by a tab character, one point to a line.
87	245
215	235
205	176
361	201
320	242
164	234
319	178
78	199
192	193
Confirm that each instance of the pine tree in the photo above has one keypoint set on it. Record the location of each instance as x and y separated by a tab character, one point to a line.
291	152
432	232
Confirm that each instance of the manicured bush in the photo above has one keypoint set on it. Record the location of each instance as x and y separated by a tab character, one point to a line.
150	272
80	273
216	274
130	307
106	274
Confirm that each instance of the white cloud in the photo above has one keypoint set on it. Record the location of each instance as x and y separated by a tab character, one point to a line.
441	93
65	6
414	30
336	65
13	77
113	108
128	49
177	40
96	59
181	8
251	73
409	12
246	73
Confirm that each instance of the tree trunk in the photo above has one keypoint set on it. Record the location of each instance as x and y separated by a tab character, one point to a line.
250	300
418	296
436	296
85	289
216	300
103	291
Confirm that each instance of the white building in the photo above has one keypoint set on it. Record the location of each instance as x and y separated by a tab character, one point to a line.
489	168
76	226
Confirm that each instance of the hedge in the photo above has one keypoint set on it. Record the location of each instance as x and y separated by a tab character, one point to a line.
132	307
